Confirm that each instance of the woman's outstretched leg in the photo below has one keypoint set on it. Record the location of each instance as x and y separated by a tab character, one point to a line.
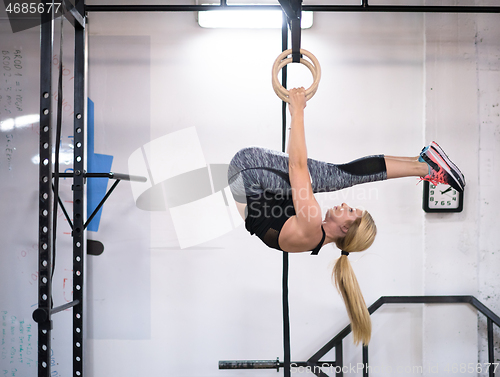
399	167
402	158
254	170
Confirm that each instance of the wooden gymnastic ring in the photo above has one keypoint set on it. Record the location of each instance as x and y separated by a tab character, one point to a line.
282	92
313	66
315	70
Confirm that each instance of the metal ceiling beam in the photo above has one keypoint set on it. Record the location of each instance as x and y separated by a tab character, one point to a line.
315	8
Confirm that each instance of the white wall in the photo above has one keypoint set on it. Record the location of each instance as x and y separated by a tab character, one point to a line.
391	83
460	50
488	78
451	242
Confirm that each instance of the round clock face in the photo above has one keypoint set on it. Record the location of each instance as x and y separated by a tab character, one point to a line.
443	196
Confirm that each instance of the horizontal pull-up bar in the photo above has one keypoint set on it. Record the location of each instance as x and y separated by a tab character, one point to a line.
402	8
41	315
314	8
270	364
250	364
110	175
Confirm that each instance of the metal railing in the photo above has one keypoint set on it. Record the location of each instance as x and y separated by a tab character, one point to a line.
336	342
314	364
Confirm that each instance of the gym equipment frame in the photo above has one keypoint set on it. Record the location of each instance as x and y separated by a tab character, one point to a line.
77	14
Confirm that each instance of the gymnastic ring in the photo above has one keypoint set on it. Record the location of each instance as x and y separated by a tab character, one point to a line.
314	68
282	60
282	92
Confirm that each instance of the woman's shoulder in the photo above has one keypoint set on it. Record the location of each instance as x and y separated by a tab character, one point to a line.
296	236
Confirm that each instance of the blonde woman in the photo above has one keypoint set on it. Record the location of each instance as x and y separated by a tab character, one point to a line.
275	195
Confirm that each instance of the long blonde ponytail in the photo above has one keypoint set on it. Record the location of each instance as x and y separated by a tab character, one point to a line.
359	237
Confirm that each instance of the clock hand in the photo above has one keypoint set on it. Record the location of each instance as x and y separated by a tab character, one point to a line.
445	191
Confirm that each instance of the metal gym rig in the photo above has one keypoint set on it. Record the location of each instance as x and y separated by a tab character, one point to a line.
77	14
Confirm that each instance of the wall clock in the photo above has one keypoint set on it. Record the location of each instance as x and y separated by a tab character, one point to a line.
442	198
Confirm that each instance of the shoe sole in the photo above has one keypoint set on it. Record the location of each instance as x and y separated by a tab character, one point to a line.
437	168
441	162
454	169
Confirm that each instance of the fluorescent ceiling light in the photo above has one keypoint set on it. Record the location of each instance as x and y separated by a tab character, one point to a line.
248	19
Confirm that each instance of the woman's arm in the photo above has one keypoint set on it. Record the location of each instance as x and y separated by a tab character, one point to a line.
297	149
308	217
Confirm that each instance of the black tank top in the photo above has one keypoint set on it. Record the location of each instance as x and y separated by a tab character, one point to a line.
267	213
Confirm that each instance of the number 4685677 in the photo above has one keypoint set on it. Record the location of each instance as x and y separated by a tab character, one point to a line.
33	8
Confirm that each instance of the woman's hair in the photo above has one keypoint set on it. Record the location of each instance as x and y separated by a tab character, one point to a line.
359	237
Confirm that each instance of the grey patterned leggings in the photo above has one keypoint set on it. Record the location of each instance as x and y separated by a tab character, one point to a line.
254	170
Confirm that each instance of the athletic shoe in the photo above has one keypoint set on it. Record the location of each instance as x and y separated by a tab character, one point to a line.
454	169
443	170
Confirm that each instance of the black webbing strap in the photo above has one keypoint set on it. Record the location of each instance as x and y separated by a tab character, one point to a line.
296	34
57	147
293	12
295	28
286	319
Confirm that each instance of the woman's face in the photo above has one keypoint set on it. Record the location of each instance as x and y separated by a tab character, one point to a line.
343	215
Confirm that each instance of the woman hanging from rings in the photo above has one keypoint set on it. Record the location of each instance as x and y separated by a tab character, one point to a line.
275	195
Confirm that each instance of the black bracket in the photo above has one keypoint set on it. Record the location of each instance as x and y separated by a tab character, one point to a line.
293	12
116	176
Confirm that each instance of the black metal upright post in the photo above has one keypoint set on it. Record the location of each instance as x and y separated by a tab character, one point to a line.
291	15
365	360
286	317
491	347
284	46
78	192
45	200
